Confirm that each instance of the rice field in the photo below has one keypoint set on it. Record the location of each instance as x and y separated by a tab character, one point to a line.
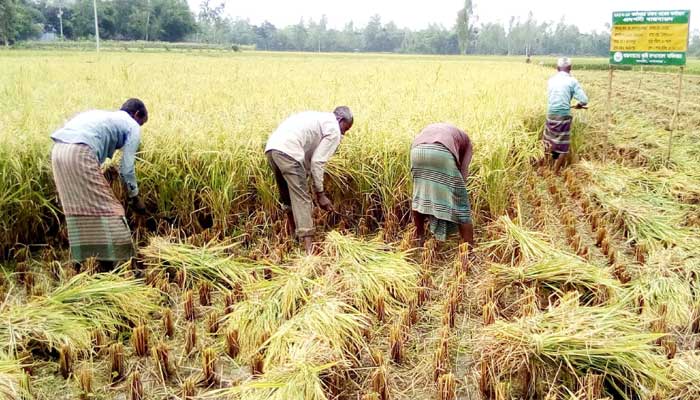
582	286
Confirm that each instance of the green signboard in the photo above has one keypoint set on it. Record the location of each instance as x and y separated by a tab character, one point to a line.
649	37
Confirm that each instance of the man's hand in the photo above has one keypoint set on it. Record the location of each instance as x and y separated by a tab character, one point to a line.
323	201
137	205
111	174
580	106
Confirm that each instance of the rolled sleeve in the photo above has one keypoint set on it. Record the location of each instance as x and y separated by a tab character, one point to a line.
330	139
127	170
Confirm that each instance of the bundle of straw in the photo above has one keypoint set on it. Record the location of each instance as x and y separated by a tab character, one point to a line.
607	340
329	321
517	243
269	304
559	274
370	272
71	312
211	263
648	219
301	377
659	289
685	374
10	375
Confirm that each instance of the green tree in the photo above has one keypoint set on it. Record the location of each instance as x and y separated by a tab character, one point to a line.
264	35
463	26
8	21
372	33
172	20
19	20
491	39
350	39
299	35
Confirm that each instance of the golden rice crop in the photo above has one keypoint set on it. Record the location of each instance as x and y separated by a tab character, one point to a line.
202	153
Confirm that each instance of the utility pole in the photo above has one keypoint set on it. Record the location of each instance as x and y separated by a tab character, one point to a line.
97	28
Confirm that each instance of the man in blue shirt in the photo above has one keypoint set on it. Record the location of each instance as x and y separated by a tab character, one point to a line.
94	217
561	89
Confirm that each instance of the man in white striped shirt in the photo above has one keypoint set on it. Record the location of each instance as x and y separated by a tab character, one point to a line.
300	146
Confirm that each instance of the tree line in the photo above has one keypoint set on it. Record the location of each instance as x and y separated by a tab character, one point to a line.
161	20
172	21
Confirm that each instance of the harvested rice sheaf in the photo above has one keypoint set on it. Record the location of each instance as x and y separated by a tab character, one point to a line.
664	293
193	265
576	340
514	243
72	311
371	270
13	380
559	274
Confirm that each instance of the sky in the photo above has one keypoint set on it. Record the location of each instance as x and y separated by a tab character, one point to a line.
588	15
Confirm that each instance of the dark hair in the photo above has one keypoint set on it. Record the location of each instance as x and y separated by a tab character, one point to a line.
133	106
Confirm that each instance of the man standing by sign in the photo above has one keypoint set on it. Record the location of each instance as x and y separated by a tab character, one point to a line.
561	88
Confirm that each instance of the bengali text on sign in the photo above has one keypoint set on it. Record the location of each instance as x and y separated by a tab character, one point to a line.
649	37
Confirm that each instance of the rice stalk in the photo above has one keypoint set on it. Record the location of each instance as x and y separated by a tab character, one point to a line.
447	387
139	340
189	389
209	376
205	294
161	358
136	386
189	307
84	379
213	321
396	342
232	346
65	360
117	366
168	323
190	338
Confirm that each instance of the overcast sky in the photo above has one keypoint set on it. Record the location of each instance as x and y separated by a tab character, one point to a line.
587	14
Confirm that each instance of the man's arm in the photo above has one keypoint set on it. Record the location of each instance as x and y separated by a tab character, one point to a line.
579	94
466	158
126	169
322	154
